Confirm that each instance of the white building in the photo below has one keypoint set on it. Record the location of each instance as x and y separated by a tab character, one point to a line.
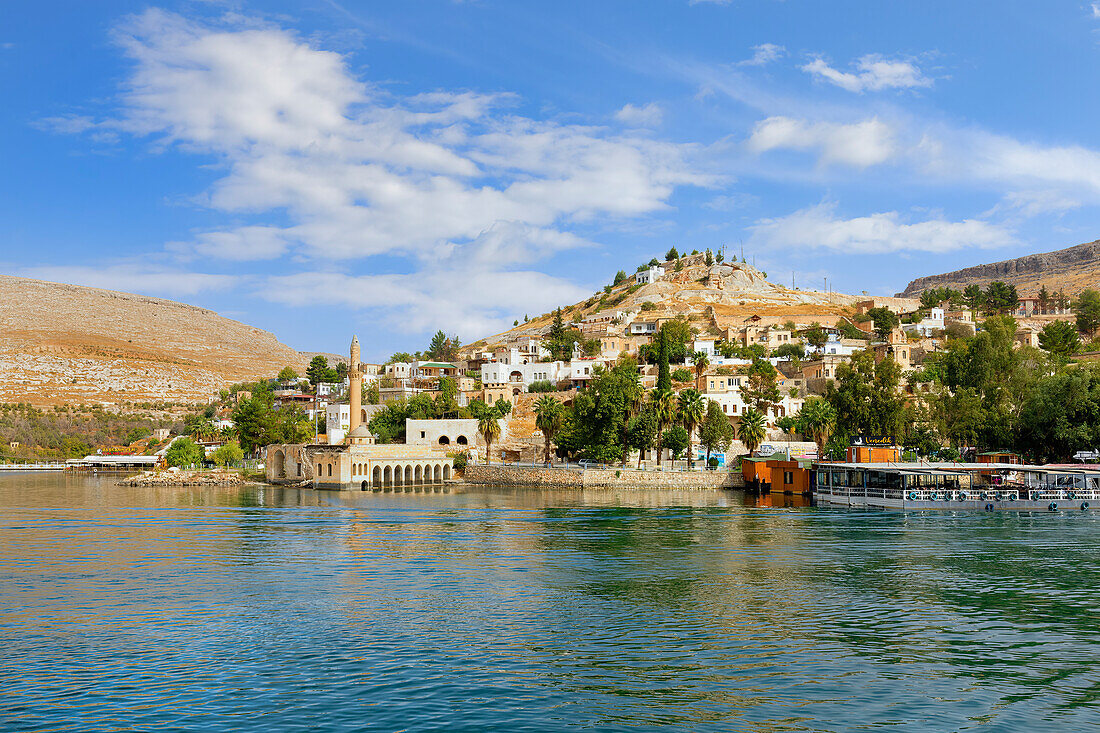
836	346
933	322
650	275
518	369
643	328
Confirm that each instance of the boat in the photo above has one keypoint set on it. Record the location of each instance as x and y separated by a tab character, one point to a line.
971	486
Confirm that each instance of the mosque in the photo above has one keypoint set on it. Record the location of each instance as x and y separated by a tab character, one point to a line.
358	463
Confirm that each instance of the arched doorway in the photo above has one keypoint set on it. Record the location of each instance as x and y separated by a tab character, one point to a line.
363	486
377	477
388	481
278	464
408	474
438	477
418	475
446	471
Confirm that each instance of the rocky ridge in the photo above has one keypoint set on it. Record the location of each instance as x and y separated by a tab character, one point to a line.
1072	269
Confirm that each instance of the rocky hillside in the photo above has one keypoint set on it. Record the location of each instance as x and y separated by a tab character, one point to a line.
71	344
713	297
1072	269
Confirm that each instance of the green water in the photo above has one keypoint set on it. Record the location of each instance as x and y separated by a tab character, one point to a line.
513	610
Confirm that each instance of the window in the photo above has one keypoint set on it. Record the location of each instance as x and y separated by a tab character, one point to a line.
421	433
788	478
319	469
330	469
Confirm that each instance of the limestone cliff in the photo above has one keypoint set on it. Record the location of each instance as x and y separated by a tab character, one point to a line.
66	343
1072	269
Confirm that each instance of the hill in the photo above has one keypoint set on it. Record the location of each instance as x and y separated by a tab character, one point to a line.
71	344
1072	269
713	297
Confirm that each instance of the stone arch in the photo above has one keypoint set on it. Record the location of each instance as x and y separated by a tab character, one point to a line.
376	478
462	440
363	416
516	376
388	476
418	474
515	392
444	440
408	474
364	486
278	463
438	474
446	471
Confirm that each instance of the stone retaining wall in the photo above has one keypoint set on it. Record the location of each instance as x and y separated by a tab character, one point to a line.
600	478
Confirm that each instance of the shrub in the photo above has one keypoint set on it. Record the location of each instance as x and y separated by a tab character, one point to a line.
649	306
459	460
542	385
682	375
184	452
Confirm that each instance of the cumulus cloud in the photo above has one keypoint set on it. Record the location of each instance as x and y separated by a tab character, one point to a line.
873	73
350	171
130	278
647	115
818	227
764	54
859	144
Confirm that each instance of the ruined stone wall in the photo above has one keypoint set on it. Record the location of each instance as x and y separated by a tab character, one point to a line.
599	478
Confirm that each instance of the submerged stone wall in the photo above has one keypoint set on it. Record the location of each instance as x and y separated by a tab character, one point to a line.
599	478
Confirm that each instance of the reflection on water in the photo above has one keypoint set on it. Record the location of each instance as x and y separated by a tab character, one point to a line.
513	609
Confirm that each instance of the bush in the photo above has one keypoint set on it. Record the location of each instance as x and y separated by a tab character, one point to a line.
459	460
226	454
542	385
682	375
649	306
184	452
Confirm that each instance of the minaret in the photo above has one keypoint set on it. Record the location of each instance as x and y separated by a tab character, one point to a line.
355	385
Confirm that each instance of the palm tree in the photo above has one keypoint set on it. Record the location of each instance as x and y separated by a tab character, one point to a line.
693	409
489	427
817	418
751	430
547	419
700	361
664	402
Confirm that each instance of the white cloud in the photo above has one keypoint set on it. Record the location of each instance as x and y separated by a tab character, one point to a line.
874	73
859	144
149	280
647	115
351	172
818	227
1096	10
764	54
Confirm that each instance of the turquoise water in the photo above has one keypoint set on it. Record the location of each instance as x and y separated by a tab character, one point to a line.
522	610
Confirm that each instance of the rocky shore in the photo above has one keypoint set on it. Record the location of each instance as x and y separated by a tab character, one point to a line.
175	477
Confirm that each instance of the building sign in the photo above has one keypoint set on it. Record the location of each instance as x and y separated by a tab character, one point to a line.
872	441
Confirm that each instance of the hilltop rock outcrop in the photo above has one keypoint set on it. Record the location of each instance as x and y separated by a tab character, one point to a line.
1072	269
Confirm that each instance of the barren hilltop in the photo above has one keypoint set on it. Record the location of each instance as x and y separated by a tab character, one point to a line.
72	344
1071	269
713	297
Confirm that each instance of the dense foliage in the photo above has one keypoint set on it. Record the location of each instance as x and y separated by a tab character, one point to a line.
70	431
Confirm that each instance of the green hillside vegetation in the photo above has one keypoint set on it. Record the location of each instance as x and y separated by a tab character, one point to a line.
70	431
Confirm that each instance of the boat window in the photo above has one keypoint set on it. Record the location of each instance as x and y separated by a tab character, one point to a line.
893	480
855	477
839	478
822	478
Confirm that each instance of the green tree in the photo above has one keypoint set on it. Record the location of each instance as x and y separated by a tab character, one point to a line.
672	254
1001	297
489	427
443	347
974	297
318	370
374	394
184	452
885	321
1062	415
227	454
699	362
795	352
817	418
866	397
548	419
751	429
1044	299
664	406
715	432
849	330
815	336
709	257
255	419
664	376
761	389
1087	308
400	357
1060	338
692	410
620	276
389	422
676	440
288	375
641	431
595	427
654	263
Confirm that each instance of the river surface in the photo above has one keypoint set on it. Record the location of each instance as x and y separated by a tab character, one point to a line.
525	610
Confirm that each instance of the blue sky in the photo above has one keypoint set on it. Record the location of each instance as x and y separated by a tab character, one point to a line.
323	168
